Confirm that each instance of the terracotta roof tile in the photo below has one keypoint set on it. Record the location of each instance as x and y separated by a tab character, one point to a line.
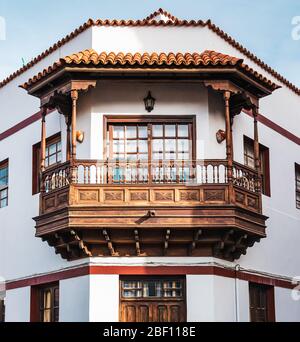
160	11
206	59
150	22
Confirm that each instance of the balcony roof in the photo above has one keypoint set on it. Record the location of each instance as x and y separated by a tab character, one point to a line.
206	62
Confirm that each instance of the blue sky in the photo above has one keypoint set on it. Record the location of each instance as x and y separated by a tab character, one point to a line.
263	26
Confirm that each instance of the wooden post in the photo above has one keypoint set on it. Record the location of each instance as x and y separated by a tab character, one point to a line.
229	149
43	148
68	147
256	149
43	140
74	97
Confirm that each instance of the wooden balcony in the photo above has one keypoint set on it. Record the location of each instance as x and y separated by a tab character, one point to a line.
166	208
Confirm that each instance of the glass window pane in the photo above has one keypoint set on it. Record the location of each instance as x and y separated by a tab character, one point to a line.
170	130
3	194
143	156
183	131
183	156
56	297
119	147
157	130
143	132
143	146
118	156
3	181
170	145
157	145
151	289
59	157
3	203
131	146
132	157
158	156
4	172
183	145
170	156
47	299
52	149
118	132
52	160
56	315
131	132
47	316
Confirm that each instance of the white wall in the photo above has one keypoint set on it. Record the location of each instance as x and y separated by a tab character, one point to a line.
286	308
104	298
195	39
171	99
74	300
213	299
200	298
17	305
278	253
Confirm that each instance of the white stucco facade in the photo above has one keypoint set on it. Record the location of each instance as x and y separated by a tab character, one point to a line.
95	297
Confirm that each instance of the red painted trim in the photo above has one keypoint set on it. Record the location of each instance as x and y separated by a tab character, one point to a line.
148	270
23	124
278	129
48	278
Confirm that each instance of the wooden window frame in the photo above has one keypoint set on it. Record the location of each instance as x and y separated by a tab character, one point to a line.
36	161
3	165
264	163
36	300
270	301
182	279
297	184
143	119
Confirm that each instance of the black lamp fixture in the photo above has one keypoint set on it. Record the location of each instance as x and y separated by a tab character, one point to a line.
149	102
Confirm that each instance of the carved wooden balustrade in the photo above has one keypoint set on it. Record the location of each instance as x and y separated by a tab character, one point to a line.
204	180
97	206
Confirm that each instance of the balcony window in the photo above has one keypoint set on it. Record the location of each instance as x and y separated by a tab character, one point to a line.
53	156
158	148
4	184
249	161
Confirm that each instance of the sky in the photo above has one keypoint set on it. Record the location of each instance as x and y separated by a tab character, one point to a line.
263	26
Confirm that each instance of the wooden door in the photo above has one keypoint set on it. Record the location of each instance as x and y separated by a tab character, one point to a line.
152	300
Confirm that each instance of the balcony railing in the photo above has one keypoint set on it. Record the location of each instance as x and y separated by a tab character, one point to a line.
182	172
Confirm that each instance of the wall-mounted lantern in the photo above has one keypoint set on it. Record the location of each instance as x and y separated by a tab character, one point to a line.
221	136
149	102
80	136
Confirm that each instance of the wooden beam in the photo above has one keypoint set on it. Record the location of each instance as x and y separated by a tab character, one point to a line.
193	245
137	243
109	244
236	246
167	238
